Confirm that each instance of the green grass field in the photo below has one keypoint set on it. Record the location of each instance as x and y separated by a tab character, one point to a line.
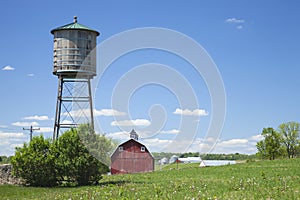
278	179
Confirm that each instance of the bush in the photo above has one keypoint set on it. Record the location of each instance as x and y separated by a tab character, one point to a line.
65	161
98	145
34	163
75	163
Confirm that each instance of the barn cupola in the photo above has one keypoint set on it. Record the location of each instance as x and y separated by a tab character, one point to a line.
134	135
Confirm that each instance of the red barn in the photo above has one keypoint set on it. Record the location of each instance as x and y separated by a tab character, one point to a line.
131	157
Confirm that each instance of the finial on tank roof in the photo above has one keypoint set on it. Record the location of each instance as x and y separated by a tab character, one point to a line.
75	19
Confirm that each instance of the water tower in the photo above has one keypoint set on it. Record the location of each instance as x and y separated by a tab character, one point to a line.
74	65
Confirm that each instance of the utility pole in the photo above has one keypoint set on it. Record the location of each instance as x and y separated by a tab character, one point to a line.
31	129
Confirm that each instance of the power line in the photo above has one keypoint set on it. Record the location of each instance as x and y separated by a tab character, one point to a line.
31	129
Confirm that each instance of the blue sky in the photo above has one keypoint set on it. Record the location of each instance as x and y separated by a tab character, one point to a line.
254	44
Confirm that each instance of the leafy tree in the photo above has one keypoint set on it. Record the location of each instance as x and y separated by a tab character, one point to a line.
98	145
261	148
34	163
74	162
270	146
67	160
290	134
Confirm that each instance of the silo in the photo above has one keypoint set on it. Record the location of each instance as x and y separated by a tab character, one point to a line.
74	64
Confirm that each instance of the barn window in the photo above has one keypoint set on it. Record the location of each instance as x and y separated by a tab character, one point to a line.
120	148
142	149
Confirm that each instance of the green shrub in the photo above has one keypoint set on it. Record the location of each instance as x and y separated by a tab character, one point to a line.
34	163
63	162
75	163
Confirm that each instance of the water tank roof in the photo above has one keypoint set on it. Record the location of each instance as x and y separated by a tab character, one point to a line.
74	26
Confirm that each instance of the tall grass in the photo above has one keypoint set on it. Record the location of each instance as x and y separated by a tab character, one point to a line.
278	179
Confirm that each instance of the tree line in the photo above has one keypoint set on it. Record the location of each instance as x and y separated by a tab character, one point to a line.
4	159
232	156
220	156
283	142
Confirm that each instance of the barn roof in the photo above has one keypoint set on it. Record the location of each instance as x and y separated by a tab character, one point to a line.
135	142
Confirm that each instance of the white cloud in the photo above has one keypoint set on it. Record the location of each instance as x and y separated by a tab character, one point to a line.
233	142
236	145
8	68
136	122
108	112
3	126
173	131
121	135
239	27
7	135
25	124
156	144
66	122
10	140
234	20
78	113
102	112
45	130
156	141
124	135
16	145
36	117
256	138
31	75
211	139
196	112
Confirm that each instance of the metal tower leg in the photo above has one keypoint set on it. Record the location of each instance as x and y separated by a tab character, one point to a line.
58	108
91	104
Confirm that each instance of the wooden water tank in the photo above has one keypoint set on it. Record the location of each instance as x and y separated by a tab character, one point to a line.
74	50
